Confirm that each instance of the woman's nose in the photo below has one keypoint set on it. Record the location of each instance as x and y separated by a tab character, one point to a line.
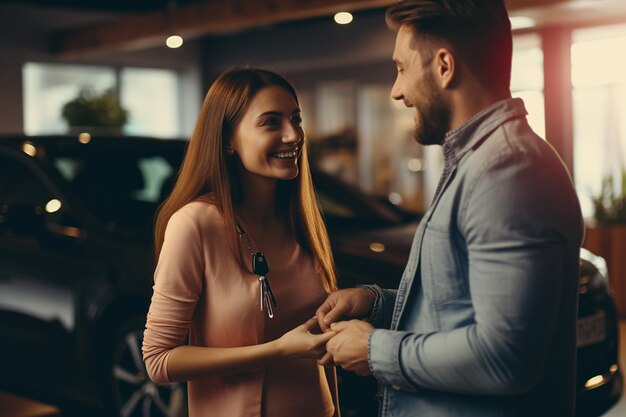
292	134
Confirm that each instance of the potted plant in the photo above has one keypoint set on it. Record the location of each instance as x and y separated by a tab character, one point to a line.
610	206
607	236
92	110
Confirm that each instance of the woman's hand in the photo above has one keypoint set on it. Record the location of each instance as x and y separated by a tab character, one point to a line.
300	343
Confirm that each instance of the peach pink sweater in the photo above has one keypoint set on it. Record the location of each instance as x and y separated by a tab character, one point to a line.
203	297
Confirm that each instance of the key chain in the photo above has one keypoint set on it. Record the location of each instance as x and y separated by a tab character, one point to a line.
261	268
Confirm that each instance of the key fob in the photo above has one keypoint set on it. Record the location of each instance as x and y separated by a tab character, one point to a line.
259	264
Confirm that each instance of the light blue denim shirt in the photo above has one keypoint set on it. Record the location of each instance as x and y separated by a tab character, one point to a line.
484	320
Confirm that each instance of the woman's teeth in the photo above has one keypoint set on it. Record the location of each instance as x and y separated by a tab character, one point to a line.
284	155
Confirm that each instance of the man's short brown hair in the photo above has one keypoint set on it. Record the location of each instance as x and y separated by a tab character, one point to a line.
477	31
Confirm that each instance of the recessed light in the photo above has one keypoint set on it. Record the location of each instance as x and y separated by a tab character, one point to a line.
343	18
174	41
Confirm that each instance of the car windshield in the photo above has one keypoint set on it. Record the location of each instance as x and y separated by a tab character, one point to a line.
122	187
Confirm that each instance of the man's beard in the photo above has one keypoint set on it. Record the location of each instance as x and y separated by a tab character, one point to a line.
433	115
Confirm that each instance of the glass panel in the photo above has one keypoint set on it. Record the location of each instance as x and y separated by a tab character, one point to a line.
47	87
151	98
599	100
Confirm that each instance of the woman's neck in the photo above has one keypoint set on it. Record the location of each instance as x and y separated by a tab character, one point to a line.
258	205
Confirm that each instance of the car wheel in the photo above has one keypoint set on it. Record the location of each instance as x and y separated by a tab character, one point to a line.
133	394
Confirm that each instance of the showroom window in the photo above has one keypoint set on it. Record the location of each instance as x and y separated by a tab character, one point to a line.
599	101
151	96
527	79
47	87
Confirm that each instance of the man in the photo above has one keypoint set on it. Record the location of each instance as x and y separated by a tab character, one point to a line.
484	320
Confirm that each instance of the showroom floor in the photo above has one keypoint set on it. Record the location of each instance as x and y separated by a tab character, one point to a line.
12	406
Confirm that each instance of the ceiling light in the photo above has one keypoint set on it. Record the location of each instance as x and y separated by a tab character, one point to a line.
522	22
343	18
174	41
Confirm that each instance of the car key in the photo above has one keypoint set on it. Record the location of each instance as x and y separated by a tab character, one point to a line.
259	264
266	295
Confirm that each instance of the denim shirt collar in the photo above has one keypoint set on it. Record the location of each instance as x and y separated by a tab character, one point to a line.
459	141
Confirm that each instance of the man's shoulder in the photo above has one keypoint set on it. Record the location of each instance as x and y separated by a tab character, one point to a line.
512	143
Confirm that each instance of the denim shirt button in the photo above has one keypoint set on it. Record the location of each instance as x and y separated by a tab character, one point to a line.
396	387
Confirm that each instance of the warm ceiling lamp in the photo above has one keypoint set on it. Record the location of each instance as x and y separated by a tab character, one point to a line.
343	18
174	41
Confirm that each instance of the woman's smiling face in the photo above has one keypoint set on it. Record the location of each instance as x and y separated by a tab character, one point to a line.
269	137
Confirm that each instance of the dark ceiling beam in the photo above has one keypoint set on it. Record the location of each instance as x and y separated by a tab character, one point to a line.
195	20
213	17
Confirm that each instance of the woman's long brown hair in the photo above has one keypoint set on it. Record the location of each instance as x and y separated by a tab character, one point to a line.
207	169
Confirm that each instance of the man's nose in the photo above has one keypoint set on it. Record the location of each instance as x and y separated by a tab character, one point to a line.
396	93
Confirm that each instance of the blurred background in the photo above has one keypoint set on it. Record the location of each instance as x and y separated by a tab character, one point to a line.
148	63
569	66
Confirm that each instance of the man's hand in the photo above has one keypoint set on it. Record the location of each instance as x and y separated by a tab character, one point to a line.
348	348
351	303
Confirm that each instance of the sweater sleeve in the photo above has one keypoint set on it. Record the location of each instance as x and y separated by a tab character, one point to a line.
176	291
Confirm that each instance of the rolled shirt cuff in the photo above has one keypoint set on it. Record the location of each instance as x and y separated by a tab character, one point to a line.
375	316
385	361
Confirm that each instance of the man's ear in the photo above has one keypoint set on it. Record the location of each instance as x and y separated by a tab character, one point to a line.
445	67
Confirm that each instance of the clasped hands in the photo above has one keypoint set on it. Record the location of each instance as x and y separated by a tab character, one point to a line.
348	347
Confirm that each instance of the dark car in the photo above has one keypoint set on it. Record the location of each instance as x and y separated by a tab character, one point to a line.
76	268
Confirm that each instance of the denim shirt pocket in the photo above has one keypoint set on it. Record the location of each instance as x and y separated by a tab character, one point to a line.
441	272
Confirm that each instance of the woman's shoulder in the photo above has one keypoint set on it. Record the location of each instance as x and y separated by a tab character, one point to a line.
203	210
200	206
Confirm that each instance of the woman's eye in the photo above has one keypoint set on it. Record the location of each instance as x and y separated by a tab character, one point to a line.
296	120
270	122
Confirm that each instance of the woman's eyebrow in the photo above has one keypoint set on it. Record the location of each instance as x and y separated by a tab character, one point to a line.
277	113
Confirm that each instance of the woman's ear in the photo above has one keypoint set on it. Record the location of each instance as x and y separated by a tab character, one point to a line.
229	149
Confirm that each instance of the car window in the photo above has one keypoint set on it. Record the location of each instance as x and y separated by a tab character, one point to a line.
119	187
157	174
148	174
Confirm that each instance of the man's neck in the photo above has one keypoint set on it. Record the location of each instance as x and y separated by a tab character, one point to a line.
468	102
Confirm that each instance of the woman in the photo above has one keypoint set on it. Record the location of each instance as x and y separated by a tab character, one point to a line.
243	204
